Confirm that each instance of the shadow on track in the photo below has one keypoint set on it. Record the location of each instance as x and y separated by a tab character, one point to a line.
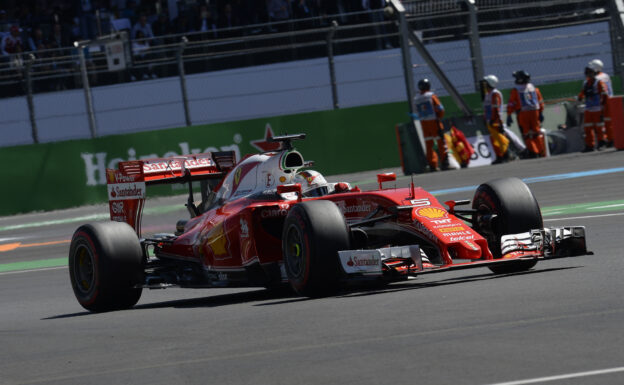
285	296
224	299
404	286
71	315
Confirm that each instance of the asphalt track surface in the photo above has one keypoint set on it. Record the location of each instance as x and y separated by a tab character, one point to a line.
560	323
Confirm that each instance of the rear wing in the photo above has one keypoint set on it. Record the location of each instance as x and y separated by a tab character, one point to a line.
127	184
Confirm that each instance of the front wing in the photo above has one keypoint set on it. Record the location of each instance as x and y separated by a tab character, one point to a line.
547	243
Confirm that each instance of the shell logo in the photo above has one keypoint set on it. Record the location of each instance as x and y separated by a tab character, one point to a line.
431	212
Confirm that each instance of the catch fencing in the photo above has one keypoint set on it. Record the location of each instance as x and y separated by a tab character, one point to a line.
118	85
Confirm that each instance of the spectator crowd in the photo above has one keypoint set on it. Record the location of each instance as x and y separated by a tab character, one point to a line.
48	29
32	25
58	23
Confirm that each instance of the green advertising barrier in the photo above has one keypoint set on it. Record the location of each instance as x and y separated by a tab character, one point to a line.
72	173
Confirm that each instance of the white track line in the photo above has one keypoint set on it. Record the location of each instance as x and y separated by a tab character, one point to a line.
10	239
563	376
583	217
605	207
32	270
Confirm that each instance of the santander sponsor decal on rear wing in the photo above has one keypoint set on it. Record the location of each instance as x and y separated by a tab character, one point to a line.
127	184
164	169
126	196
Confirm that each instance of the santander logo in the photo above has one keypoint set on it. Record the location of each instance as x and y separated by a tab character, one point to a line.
367	261
124	191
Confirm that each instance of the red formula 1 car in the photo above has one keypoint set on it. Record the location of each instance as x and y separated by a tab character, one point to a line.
265	222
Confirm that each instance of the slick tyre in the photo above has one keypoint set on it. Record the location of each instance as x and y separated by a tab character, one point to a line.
313	233
105	265
516	211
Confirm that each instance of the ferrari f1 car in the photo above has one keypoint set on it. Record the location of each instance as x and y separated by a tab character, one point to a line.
267	221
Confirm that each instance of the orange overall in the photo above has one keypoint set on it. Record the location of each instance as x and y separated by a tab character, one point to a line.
492	105
430	111
606	79
595	94
527	101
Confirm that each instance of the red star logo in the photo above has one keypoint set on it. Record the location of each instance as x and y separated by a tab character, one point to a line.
263	144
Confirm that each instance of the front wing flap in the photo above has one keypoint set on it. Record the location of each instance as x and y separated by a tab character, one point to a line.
551	242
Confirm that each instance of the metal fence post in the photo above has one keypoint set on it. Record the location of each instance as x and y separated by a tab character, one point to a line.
405	52
29	97
395	7
616	29
87	88
475	44
332	66
187	114
407	35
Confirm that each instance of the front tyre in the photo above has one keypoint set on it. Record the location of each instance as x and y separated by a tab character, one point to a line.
516	210
105	265
313	233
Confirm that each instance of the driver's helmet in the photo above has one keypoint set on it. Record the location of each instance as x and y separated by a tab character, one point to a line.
313	184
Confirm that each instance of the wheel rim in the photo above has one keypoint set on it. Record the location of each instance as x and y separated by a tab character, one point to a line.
490	234
294	258
483	210
84	269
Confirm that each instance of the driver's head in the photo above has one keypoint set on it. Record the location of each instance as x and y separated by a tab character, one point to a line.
313	184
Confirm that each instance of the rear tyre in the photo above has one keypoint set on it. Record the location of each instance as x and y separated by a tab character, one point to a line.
517	211
313	233
105	265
